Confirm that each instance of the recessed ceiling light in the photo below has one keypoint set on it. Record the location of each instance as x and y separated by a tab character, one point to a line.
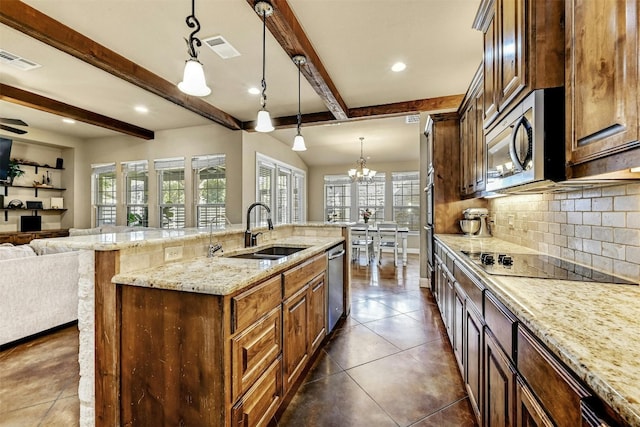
70	121
254	91
141	109
398	66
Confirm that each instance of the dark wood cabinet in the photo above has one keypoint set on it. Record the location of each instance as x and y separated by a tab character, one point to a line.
602	84
472	143
523	51
499	382
457	328
529	413
19	238
473	333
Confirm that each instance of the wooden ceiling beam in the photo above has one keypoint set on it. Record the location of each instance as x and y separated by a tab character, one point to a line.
443	103
36	24
286	29
39	102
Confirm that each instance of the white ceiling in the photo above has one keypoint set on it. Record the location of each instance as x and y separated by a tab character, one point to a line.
357	41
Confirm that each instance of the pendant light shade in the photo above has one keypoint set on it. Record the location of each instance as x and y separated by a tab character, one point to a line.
193	81
263	122
298	141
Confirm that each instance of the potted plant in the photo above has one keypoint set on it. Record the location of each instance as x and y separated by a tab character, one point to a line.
14	171
366	214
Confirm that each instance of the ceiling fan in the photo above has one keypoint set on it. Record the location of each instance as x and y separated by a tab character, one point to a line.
14	122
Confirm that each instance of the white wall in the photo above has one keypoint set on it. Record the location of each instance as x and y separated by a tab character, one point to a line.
185	142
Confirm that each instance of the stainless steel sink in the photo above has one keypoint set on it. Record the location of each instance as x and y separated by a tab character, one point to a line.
270	253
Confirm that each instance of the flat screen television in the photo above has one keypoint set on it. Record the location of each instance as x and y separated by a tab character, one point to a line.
5	152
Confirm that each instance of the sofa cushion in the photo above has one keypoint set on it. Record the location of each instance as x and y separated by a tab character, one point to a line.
8	251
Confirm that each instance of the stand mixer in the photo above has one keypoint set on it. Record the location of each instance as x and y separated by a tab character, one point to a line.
478	214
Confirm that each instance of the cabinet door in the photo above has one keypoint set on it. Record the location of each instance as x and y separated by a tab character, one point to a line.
258	406
511	73
480	161
253	350
490	103
529	413
458	326
465	148
499	379
449	299
317	312
602	77
295	330
473	358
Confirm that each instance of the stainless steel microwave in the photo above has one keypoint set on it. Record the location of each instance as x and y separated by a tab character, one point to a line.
527	145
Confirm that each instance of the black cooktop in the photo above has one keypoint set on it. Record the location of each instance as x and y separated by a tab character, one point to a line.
539	266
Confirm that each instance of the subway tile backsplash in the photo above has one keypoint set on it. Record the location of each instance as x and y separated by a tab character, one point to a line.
599	227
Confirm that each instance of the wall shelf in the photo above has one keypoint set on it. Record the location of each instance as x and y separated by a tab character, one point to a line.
34	211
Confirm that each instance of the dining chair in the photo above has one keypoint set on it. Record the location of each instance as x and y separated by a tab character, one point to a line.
362	240
388	238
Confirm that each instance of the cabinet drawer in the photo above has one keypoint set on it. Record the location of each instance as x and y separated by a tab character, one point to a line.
501	322
258	406
471	288
558	392
299	276
254	350
254	303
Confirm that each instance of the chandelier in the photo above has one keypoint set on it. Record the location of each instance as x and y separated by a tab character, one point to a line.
361	173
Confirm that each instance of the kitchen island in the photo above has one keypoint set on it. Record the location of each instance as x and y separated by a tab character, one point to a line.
176	261
588	327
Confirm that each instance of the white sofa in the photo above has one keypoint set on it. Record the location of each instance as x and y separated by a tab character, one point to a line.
37	293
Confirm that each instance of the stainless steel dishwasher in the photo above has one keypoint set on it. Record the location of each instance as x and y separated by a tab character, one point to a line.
335	296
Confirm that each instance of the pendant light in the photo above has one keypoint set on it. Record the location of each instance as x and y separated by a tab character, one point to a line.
298	141
361	173
264	124
193	81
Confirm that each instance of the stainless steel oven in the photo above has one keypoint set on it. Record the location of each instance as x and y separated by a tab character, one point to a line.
527	146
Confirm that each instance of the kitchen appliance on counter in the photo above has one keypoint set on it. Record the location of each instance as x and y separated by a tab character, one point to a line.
477	216
539	266
527	146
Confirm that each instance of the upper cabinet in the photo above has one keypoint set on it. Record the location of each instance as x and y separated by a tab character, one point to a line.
523	51
601	85
472	142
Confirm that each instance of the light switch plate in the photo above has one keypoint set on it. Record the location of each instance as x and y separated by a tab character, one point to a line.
172	253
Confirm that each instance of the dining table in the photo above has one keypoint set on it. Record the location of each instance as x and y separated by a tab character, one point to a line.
403	233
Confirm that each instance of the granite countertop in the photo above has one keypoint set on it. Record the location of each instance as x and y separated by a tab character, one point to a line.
146	236
222	275
592	327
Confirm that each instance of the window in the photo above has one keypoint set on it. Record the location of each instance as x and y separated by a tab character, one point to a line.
371	196
136	183
406	199
210	189
104	193
171	192
337	198
281	187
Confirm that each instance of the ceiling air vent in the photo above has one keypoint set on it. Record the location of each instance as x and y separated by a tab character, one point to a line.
414	118
221	46
15	61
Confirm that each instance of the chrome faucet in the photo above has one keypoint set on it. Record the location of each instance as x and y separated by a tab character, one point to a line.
212	248
250	239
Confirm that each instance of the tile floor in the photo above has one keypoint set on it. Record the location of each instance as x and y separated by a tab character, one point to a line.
389	364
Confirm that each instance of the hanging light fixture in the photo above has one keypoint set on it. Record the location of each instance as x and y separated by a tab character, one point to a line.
361	173
298	141
193	81
264	9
